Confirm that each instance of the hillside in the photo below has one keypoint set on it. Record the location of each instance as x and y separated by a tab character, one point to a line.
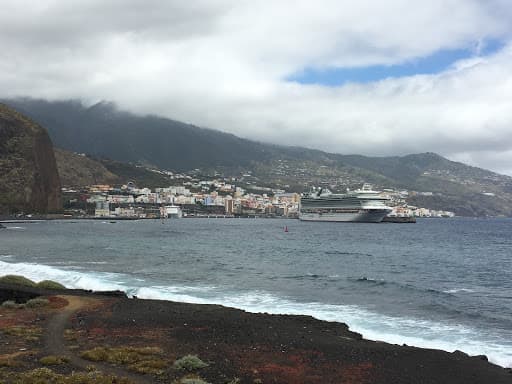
78	170
29	181
103	131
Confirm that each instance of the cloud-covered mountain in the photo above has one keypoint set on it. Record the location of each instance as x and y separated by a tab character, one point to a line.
104	131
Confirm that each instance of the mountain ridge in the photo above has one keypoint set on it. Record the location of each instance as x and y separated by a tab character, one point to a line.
103	131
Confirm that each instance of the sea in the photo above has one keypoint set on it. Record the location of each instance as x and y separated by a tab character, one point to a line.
439	283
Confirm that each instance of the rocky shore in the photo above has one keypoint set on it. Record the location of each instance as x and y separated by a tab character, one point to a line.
110	337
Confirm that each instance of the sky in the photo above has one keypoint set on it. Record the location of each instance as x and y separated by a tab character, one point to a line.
369	77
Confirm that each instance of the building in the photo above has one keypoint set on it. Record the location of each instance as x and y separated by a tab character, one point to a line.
102	209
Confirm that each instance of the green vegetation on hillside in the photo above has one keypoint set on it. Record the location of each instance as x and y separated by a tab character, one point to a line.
18	280
49	284
78	170
136	174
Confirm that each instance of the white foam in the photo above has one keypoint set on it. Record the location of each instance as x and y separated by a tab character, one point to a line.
69	278
457	290
374	326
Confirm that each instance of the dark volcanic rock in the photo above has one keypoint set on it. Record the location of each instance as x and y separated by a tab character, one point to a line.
29	180
280	349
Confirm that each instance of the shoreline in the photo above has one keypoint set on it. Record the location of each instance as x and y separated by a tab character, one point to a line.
376	326
279	348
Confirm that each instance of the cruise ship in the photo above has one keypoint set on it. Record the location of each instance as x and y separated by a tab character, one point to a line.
362	205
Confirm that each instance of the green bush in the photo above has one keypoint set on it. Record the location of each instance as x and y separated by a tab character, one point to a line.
143	359
151	366
18	280
9	304
46	375
49	284
36	303
27	333
121	355
189	363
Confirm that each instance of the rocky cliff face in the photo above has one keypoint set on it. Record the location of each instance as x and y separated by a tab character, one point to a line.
29	180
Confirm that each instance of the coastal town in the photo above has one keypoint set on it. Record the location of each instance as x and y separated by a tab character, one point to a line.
214	198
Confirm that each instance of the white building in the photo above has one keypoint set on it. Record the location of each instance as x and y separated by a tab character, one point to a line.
102	209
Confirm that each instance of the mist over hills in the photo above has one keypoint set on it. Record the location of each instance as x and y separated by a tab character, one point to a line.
103	131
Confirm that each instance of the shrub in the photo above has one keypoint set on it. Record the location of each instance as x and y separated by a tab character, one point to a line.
95	354
49	284
18	280
54	360
28	333
9	304
193	380
189	363
36	303
142	360
46	375
153	366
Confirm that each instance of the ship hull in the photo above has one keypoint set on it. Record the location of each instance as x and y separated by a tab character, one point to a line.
374	216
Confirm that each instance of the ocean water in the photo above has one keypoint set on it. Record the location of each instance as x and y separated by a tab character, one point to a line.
439	283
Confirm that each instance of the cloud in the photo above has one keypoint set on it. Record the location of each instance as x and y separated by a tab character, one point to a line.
224	64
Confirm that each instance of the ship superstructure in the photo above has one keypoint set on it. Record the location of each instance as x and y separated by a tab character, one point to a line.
361	205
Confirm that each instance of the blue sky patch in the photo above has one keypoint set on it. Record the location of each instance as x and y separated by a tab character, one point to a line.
435	63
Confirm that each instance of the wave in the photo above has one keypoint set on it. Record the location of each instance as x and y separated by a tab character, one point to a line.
382	282
370	280
392	329
309	276
347	253
457	290
70	278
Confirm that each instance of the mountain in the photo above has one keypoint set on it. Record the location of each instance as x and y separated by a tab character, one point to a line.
78	170
29	181
103	131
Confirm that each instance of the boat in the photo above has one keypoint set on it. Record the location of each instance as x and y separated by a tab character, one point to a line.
362	205
399	219
173	212
400	214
